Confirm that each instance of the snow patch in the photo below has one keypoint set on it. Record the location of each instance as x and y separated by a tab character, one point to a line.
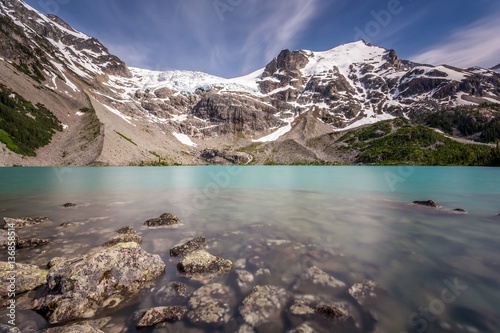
184	139
119	114
369	120
276	134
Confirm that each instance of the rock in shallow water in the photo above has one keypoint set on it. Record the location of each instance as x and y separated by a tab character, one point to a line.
160	314
78	287
173	292
165	219
69	204
91	326
31	242
123	238
191	246
263	305
366	291
209	305
128	230
21	222
28	277
428	203
203	266
315	280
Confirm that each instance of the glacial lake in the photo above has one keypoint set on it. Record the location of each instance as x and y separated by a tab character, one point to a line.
441	269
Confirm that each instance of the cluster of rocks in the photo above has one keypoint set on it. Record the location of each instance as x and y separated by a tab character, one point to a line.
20	223
75	289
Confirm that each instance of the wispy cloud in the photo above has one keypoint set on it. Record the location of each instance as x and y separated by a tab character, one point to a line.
278	29
477	44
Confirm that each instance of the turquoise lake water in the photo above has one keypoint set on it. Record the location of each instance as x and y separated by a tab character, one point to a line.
355	223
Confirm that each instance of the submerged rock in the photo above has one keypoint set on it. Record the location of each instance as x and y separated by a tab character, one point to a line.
315	280
245	280
128	230
366	292
428	203
78	287
69	204
4	239
123	238
164	219
203	266
209	305
27	277
160	314
91	326
191	246
31	242
174	291
263	305
460	210
21	222
66	224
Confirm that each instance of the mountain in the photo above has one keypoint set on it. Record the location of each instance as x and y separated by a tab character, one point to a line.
86	107
496	68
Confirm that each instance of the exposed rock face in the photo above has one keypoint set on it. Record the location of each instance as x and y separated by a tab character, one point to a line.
221	157
77	287
123	238
428	203
315	280
209	305
202	266
28	277
191	246
161	314
165	219
263	305
22	222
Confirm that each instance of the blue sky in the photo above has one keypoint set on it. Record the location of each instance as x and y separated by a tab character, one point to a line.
231	38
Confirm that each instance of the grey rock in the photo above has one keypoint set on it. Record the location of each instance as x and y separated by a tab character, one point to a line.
203	266
366	292
160	314
174	292
210	305
78	287
245	280
191	246
123	238
263	305
428	203
127	230
90	326
28	277
69	204
165	219
4	328
315	280
21	222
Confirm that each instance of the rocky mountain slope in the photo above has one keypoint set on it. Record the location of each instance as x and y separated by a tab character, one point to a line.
105	113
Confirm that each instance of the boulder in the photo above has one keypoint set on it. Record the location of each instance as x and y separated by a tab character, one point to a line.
428	203
123	238
209	305
191	246
21	222
128	230
160	314
78	287
203	266
28	277
263	305
165	219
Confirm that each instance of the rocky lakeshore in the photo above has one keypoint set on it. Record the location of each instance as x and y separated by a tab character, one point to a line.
159	276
